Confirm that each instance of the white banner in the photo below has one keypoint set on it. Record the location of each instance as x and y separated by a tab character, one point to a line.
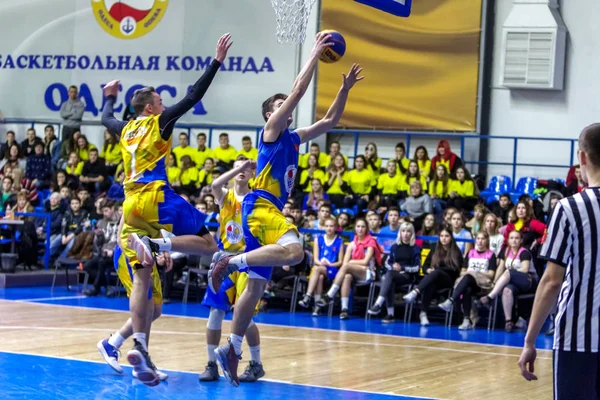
47	46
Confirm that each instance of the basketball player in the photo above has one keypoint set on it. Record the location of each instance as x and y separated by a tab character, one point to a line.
573	271
271	240
231	240
150	203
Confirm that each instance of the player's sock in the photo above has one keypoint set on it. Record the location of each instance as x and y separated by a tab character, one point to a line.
116	340
255	354
211	352
390	311
236	342
141	338
164	244
345	303
239	260
333	290
380	301
317	298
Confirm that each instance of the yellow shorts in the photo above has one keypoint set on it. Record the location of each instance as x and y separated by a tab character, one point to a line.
125	272
230	292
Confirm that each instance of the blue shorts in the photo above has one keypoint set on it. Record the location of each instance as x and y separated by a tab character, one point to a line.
332	272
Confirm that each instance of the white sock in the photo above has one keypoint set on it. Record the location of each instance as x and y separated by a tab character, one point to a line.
317	297
333	290
116	340
164	244
390	311
345	303
236	342
211	352
255	354
380	301
141	338
239	260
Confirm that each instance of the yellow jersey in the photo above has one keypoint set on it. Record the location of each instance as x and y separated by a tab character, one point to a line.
389	184
361	182
185	151
205	178
112	155
463	189
173	174
201	155
437	188
144	152
231	234
424	167
189	176
227	155
317	174
251	155
335	187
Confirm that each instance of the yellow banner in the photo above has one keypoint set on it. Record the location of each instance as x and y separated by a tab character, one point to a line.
420	72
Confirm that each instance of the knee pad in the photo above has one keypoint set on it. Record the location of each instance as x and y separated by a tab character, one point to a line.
215	319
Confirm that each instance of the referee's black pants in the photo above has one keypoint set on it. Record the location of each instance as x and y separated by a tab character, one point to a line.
576	375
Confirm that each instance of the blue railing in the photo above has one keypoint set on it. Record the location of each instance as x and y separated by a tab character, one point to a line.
409	137
47	225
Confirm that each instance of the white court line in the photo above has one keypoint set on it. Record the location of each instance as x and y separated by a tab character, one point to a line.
262	379
49	298
297	327
350	342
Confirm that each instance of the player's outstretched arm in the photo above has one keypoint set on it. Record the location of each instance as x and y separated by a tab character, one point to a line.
219	184
332	118
277	123
172	114
108	118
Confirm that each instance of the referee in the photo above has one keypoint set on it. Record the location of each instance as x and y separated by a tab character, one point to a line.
573	275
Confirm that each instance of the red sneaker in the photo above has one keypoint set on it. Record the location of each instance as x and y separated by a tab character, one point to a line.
229	361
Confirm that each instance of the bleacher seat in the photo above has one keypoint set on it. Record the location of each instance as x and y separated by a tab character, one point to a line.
498	184
338	211
525	185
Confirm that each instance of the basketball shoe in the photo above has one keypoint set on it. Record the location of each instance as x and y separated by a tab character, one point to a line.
143	368
219	270
229	361
111	355
145	249
211	373
254	371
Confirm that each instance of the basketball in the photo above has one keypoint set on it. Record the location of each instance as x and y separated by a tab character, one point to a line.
336	52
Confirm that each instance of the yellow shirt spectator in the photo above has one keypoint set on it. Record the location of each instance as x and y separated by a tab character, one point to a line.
405	186
377	170
173	174
316	174
361	182
424	167
75	170
184	151
204	178
437	189
405	162
329	158
389	185
252	154
336	187
463	189
323	160
112	155
227	155
202	155
189	176
83	152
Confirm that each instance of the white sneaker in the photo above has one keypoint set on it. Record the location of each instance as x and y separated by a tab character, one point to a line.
111	355
411	297
423	318
446	305
466	325
161	375
521	324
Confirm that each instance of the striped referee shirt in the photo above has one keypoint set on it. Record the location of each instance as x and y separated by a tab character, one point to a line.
572	242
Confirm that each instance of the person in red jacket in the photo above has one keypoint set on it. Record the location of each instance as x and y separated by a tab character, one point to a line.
522	219
444	156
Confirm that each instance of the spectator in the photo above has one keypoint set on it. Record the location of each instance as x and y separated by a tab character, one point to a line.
496	239
39	167
111	152
439	189
476	278
94	175
459	232
28	145
463	194
328	253
5	147
334	150
440	269
391	229
577	185
67	147
116	192
476	223
422	158
446	157
388	185
84	148
312	171
8	194
202	152
53	208
401	268
225	154
87	202
361	259
23	205
51	144
74	222
361	183
323	214
13	159
417	205
374	222
173	172
337	180
105	241
65	197
247	150
201	206
71	112
205	174
312	199
189	176
184	149
372	161
344	221
516	275
536	205
74	165
315	150
522	220
502	210
412	175
401	160
550	200
448	212
429	229
22	183
59	181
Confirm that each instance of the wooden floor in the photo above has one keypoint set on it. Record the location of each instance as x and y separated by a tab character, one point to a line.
368	362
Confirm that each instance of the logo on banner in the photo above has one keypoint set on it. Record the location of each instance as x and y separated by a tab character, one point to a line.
129	19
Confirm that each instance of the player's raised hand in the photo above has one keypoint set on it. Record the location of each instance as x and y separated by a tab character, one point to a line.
223	46
249	165
322	41
111	88
353	76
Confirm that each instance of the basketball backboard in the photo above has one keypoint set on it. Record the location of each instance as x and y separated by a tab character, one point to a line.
399	8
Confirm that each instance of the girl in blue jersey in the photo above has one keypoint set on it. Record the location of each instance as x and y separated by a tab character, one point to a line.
328	253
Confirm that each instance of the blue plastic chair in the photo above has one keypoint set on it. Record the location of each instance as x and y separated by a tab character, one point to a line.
338	211
525	185
499	184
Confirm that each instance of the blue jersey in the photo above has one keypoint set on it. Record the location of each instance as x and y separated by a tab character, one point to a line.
331	252
276	167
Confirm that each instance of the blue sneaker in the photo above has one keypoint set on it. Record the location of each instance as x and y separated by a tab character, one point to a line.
111	355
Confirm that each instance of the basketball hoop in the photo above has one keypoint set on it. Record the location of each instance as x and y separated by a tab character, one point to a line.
292	19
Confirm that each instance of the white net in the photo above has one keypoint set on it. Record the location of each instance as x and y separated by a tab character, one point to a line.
292	19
